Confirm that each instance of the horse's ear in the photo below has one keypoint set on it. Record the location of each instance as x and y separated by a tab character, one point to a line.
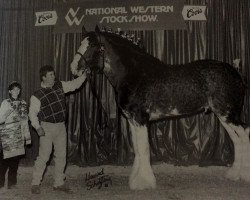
97	30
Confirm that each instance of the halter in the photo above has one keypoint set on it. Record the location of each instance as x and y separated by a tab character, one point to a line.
82	58
102	50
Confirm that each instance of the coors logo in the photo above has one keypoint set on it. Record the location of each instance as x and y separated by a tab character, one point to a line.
194	12
46	18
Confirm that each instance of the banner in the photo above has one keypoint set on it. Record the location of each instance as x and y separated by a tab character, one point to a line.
126	15
12	139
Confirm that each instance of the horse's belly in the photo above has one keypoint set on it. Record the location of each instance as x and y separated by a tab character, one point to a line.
157	114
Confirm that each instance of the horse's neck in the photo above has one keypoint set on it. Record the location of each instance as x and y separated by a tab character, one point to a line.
113	68
121	60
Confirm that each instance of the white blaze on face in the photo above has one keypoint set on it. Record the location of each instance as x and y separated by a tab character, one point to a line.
82	49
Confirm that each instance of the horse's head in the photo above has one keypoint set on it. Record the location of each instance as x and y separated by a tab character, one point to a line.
90	53
115	54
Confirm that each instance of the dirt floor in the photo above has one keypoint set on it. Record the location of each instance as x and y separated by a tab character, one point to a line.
173	182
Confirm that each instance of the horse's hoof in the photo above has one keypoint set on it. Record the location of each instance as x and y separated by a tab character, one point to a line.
245	174
141	186
233	174
141	183
245	177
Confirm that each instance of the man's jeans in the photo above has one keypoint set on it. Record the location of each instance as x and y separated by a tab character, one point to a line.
55	134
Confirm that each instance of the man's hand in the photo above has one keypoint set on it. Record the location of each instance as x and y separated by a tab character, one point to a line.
87	71
80	72
28	142
40	132
83	71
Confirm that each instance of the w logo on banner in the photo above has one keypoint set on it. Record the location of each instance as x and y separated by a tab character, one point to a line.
71	17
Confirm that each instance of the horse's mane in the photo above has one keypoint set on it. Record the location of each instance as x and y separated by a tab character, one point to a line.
121	44
118	39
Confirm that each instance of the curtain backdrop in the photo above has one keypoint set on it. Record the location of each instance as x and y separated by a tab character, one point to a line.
96	132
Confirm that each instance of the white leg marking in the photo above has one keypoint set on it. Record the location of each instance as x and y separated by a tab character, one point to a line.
243	135
234	172
135	166
245	164
240	138
142	176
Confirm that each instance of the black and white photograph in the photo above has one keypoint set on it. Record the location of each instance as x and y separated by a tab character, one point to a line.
124	99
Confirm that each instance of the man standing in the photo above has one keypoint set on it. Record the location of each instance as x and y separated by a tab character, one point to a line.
47	115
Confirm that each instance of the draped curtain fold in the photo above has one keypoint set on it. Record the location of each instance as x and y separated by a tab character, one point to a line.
97	133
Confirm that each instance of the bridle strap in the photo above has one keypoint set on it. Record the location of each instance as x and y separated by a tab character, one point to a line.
83	58
102	51
103	60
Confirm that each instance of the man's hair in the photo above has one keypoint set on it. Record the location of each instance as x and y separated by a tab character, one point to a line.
13	85
44	70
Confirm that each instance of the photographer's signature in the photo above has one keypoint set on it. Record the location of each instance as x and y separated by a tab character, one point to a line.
97	179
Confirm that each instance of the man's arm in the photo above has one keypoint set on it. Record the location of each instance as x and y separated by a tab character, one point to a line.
35	105
34	109
69	86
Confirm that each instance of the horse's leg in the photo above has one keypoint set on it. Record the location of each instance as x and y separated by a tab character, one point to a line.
240	138
234	172
135	166
243	135
245	170
142	176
